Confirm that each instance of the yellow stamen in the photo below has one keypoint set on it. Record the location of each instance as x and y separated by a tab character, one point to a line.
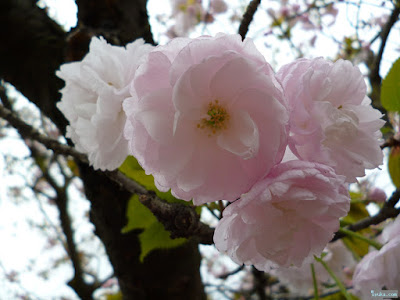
217	118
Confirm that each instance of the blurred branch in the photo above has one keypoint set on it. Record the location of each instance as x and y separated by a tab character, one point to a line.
260	283
375	62
248	17
394	17
3	96
387	211
226	275
77	283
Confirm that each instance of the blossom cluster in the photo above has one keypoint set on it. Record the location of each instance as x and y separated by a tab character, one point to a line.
189	13
210	120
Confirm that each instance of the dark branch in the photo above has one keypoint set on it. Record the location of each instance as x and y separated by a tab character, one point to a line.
394	17
82	289
179	219
374	63
387	211
248	17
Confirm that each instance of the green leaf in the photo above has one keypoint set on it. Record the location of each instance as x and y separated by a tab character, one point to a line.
117	296
358	211
133	170
338	296
138	215
390	92
154	235
394	166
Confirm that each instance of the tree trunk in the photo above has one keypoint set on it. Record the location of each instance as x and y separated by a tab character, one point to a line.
31	50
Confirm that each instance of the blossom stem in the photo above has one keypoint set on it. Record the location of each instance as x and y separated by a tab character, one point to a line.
314	278
356	235
335	278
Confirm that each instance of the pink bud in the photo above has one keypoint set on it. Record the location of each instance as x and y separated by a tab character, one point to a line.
377	195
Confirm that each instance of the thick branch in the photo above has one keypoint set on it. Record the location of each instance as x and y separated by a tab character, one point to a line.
32	49
248	17
179	219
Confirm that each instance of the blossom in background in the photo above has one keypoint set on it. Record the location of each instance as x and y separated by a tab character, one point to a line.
207	117
286	218
218	6
299	280
380	268
92	100
187	14
331	118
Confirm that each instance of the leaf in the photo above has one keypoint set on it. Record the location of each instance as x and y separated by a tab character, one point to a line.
394	166
138	215
154	235
133	170
117	296
390	92
73	167
358	211
338	296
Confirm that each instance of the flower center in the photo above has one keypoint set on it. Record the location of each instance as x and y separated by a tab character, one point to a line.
217	118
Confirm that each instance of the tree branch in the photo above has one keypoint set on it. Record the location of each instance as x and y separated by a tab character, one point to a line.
375	62
248	17
28	132
387	211
179	219
77	283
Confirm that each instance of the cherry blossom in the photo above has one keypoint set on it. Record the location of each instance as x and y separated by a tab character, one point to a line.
187	14
378	270
92	100
331	118
286	218
207	117
299	280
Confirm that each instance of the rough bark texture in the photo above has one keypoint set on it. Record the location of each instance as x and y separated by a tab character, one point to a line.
32	48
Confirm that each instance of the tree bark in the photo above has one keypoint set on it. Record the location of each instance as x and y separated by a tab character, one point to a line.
31	50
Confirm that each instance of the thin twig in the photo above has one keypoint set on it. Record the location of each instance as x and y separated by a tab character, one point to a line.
248	17
28	132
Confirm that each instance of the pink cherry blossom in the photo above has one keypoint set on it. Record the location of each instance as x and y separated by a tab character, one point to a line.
207	117
299	280
376	194
92	100
391	231
286	218
187	14
331	118
378	269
